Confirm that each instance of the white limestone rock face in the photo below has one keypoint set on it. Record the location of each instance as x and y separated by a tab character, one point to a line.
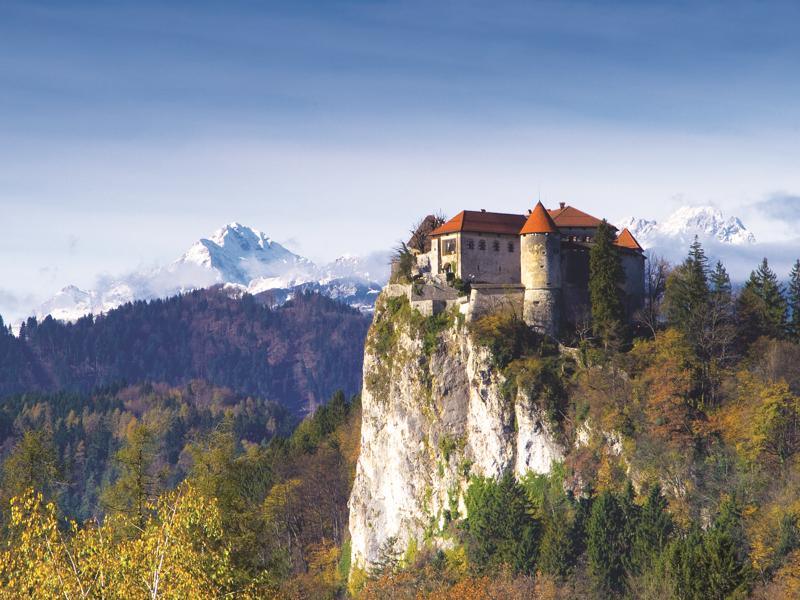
536	442
430	420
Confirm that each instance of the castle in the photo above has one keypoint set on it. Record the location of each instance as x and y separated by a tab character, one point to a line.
538	262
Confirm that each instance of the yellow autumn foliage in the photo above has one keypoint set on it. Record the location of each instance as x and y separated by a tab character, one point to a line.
178	554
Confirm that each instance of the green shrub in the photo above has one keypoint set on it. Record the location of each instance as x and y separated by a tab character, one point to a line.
384	331
402	262
506	336
541	378
462	287
430	328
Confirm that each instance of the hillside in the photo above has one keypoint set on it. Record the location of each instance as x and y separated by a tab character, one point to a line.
496	463
653	459
238	343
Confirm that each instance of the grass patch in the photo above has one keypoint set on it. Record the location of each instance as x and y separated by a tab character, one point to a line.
389	314
431	328
344	560
449	445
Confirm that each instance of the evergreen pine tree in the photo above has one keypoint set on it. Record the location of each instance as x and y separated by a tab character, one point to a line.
606	545
711	564
686	562
630	513
726	553
699	263
687	294
762	305
606	278
794	302
652	532
500	527
715	330
720	284
556	552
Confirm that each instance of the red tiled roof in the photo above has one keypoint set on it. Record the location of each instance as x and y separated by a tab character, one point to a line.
626	240
567	216
539	221
479	221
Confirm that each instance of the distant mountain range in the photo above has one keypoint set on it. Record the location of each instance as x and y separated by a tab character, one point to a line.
724	238
241	258
706	222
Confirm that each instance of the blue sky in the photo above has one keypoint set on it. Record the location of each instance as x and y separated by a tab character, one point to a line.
130	129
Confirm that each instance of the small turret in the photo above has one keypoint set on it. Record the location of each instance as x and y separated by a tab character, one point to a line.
540	266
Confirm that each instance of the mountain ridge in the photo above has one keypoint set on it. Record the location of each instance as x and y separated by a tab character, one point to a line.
236	256
706	222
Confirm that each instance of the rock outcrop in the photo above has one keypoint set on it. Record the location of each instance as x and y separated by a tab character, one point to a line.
436	411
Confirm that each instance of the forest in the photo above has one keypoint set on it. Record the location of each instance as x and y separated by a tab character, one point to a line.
682	480
239	343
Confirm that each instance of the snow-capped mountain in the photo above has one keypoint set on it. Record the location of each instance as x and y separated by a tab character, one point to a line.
726	239
69	303
239	254
241	258
706	222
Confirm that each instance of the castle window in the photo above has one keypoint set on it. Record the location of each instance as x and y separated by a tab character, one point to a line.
496	246
481	244
510	246
449	246
471	244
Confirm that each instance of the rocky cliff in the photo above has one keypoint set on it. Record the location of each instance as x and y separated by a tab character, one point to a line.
436	411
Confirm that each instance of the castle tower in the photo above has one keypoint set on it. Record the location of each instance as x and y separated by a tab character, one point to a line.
540	267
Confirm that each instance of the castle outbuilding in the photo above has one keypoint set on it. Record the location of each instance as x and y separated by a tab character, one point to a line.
538	261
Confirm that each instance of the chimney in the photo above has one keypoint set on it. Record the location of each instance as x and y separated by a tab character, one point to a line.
562	204
483	210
